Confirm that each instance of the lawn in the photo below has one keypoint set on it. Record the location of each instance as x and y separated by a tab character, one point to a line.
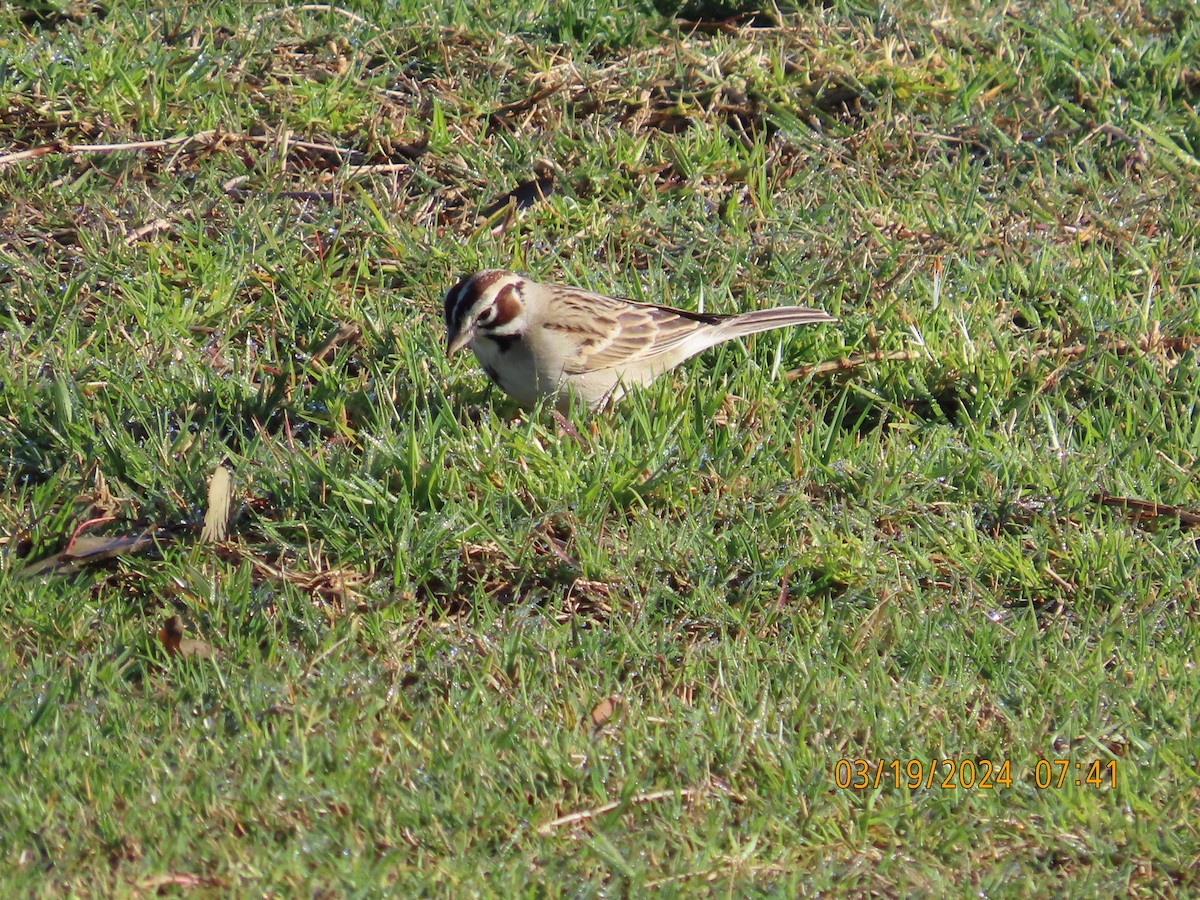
905	605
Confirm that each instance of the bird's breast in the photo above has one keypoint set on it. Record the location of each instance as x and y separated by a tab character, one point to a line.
509	363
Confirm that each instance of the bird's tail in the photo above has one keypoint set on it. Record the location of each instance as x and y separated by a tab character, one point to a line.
759	320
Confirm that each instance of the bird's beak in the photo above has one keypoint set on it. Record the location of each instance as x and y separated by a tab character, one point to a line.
455	342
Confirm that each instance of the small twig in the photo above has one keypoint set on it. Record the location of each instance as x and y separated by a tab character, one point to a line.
1111	131
159	224
1122	347
1144	344
1075	350
64	149
1147	509
137	145
317	7
209	138
149	228
303	145
585	814
20	155
947	138
1066	586
520	106
316	196
379	169
851	362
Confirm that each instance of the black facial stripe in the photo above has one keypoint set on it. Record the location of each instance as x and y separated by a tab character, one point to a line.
455	298
506	326
503	342
467	304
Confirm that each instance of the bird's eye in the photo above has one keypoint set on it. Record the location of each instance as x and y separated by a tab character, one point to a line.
487	316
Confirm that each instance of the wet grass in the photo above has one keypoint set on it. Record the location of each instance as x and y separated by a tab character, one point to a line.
460	651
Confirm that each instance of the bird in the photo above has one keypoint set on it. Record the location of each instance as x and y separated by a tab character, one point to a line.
537	340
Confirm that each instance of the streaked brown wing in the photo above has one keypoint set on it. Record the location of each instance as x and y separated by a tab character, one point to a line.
616	332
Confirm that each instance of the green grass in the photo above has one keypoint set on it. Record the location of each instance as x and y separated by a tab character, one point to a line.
426	593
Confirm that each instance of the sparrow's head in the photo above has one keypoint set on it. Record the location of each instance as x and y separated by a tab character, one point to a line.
487	304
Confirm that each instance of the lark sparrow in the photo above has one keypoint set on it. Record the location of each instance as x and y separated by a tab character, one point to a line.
544	340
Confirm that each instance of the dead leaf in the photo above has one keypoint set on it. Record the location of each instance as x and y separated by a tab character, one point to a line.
348	334
510	110
173	641
216	519
86	550
780	602
523	196
502	211
180	880
603	711
95	547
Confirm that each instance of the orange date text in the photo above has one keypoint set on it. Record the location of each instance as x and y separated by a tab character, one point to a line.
967	774
951	774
